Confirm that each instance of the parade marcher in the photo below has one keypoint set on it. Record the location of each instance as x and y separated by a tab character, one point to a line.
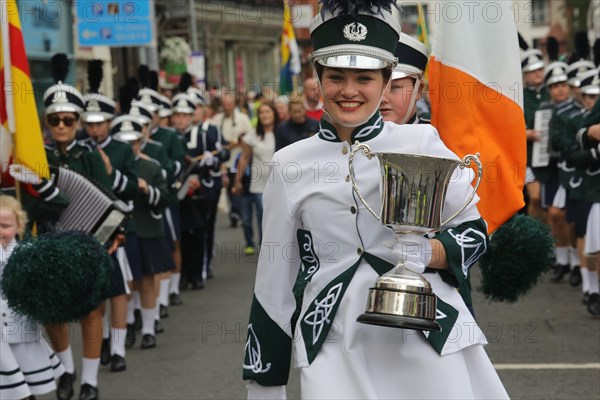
63	107
363	361
399	102
202	186
553	193
156	151
232	124
173	145
534	94
28	366
258	147
152	252
574	71
579	145
311	94
99	111
297	127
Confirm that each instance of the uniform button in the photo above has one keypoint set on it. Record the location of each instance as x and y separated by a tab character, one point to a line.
347	178
344	150
353	210
359	251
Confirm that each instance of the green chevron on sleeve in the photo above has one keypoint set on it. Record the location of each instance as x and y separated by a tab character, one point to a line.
464	245
268	349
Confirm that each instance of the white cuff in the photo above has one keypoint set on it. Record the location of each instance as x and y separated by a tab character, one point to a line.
259	392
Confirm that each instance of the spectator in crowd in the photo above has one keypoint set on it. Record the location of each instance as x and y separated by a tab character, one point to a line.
298	127
312	99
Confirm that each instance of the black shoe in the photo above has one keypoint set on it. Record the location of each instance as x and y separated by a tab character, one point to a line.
88	392
558	272
130	338
197	285
586	299
158	328
175	299
593	306
163	312
148	341
234	220
137	313
184	284
64	391
105	352
117	363
575	276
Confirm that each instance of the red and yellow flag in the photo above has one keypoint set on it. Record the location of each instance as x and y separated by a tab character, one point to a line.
20	131
476	105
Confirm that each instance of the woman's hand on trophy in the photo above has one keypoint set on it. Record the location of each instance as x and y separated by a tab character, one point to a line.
413	250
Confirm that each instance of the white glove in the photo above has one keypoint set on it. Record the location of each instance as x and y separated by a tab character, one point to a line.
259	392
413	250
207	159
23	174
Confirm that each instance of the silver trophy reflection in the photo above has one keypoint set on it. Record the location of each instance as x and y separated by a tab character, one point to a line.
413	193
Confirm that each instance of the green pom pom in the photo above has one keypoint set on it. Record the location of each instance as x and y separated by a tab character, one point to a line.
60	277
520	251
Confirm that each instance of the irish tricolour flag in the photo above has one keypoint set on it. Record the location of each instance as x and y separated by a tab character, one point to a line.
476	96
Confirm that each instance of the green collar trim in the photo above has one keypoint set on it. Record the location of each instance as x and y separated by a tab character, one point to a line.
362	133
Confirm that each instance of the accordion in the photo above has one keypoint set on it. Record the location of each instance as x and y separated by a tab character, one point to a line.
91	209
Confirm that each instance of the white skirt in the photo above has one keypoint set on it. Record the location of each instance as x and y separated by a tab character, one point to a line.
360	361
39	364
560	198
12	380
592	233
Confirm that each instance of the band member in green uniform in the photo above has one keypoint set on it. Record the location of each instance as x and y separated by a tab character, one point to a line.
534	94
63	107
119	160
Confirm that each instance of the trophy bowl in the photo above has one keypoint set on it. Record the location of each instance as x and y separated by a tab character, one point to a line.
413	192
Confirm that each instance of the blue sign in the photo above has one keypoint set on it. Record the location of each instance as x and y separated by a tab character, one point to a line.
114	23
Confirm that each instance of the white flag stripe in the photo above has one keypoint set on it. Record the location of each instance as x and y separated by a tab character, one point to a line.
480	39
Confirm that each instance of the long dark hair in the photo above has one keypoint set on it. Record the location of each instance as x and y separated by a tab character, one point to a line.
260	129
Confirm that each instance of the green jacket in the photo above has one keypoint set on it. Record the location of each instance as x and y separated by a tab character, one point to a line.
148	208
156	151
533	97
571	177
587	155
174	146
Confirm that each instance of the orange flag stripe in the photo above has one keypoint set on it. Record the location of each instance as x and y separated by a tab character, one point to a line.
472	117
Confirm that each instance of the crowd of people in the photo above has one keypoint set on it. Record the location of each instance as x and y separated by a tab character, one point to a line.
172	153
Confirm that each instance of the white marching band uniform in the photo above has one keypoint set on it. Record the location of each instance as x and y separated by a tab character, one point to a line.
28	366
310	201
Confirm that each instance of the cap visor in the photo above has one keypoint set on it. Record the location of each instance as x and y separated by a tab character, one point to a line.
593	90
183	110
129	136
93	117
68	107
534	67
353	61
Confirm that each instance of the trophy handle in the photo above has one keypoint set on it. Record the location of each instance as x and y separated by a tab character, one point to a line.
466	161
366	150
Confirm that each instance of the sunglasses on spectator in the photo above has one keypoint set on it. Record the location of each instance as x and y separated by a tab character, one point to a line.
55	121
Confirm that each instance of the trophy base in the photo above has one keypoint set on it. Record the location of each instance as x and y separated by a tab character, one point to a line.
398	321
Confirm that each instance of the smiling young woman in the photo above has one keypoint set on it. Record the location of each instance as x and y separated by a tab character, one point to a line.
309	205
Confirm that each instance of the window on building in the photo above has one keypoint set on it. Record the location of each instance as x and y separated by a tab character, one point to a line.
540	12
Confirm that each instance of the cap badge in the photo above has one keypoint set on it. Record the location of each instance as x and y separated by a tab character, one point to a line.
134	111
557	71
126	126
93	106
532	59
596	81
60	96
182	103
146	99
355	32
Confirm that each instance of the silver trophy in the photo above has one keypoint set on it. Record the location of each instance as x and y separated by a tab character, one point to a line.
413	190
